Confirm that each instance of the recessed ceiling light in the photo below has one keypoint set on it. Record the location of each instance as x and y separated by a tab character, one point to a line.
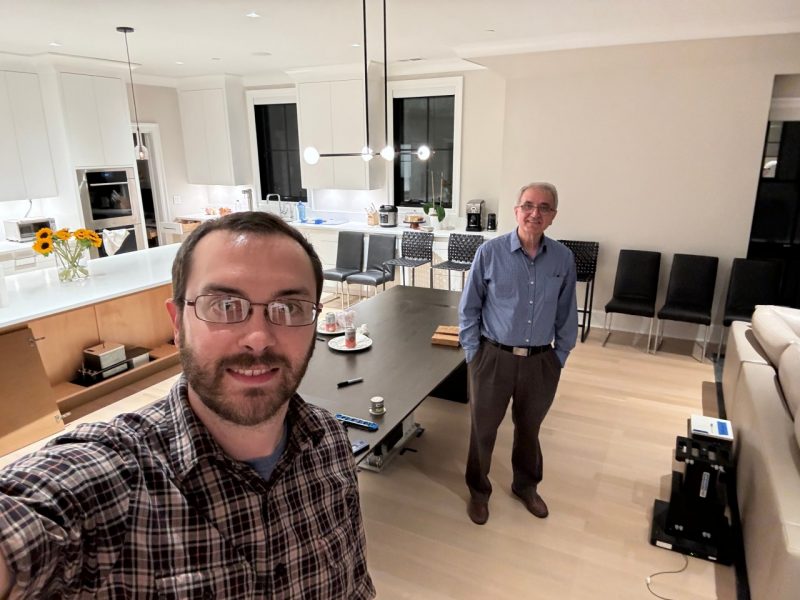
253	15
262	53
215	58
178	62
489	30
356	45
54	44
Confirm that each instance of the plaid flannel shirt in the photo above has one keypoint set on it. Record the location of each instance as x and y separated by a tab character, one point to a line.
150	506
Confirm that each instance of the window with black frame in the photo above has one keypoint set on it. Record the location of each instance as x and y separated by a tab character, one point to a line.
427	120
278	151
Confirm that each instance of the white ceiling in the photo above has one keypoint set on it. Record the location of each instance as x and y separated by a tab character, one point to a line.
215	36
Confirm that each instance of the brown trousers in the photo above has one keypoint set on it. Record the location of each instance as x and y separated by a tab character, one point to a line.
495	375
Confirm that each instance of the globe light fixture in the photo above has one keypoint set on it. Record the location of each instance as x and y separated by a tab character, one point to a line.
311	155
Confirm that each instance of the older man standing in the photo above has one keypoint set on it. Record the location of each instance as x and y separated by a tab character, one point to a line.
518	320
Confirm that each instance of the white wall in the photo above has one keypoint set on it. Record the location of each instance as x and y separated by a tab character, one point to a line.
157	104
652	147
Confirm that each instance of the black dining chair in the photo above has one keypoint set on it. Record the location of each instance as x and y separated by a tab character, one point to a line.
751	282
635	288
349	258
416	249
585	254
461	249
380	250
690	294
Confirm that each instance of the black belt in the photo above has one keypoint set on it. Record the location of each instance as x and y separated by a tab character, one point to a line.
519	350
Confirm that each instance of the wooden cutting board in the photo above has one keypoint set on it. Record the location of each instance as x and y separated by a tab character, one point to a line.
446	335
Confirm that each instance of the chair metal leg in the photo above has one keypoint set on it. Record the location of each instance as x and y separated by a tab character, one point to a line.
449	280
430	274
462	280
591	303
413	270
650	334
607	326
719	345
346	285
705	343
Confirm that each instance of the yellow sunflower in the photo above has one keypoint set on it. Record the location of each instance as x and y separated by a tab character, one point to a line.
45	233
43	246
63	234
81	234
94	239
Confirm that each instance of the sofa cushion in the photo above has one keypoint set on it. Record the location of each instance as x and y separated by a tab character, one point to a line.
791	316
768	485
789	376
741	347
773	331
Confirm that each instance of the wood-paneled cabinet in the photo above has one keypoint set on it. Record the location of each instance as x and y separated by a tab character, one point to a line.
332	118
97	120
29	406
26	163
215	132
40	360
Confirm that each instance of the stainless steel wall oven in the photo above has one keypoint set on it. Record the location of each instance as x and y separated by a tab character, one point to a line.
110	200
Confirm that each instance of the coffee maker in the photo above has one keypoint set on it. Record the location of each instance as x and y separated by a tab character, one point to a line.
475	215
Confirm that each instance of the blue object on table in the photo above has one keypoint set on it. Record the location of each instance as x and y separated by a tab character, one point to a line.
318	221
301	211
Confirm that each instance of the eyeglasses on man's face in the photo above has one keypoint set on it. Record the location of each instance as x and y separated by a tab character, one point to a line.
226	309
544	209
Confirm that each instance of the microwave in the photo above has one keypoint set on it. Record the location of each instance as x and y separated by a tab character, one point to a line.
24	230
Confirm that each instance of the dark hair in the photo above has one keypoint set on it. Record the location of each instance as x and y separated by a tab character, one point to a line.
257	223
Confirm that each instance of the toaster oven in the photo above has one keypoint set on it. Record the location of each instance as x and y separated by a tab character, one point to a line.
24	230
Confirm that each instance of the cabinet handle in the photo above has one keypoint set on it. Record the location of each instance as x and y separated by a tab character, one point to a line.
32	341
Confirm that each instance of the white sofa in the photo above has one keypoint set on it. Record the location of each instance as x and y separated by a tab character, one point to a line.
761	390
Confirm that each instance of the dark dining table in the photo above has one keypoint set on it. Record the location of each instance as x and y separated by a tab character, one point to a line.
402	365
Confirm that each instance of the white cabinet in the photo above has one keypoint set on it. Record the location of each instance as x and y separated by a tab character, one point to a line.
97	120
332	118
214	133
26	164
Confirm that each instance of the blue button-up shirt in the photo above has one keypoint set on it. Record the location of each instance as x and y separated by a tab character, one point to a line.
517	300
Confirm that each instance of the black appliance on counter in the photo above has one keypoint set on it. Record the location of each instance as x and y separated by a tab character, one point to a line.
491	222
475	215
387	215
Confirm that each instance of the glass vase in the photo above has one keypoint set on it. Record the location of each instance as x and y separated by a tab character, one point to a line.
72	262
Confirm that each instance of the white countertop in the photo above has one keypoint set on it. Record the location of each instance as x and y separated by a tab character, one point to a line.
39	293
15	249
362	227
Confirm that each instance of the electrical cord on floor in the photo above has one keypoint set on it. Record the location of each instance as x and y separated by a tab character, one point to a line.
649	579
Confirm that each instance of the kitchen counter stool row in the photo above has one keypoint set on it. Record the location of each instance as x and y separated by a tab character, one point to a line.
416	250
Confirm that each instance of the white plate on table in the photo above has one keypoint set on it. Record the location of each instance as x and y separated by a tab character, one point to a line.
321	329
362	343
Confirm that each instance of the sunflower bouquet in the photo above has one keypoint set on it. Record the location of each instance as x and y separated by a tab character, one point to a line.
69	247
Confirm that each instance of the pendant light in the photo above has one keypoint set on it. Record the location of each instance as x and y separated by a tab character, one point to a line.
141	151
388	152
311	155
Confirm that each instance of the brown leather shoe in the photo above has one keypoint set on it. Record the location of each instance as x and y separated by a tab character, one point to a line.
478	511
533	502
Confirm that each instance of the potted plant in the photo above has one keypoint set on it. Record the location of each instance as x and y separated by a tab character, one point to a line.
432	209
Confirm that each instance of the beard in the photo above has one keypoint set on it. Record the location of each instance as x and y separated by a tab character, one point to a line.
256	405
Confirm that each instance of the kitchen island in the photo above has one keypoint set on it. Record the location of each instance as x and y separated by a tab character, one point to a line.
47	324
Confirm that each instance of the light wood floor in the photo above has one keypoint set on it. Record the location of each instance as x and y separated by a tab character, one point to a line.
608	444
